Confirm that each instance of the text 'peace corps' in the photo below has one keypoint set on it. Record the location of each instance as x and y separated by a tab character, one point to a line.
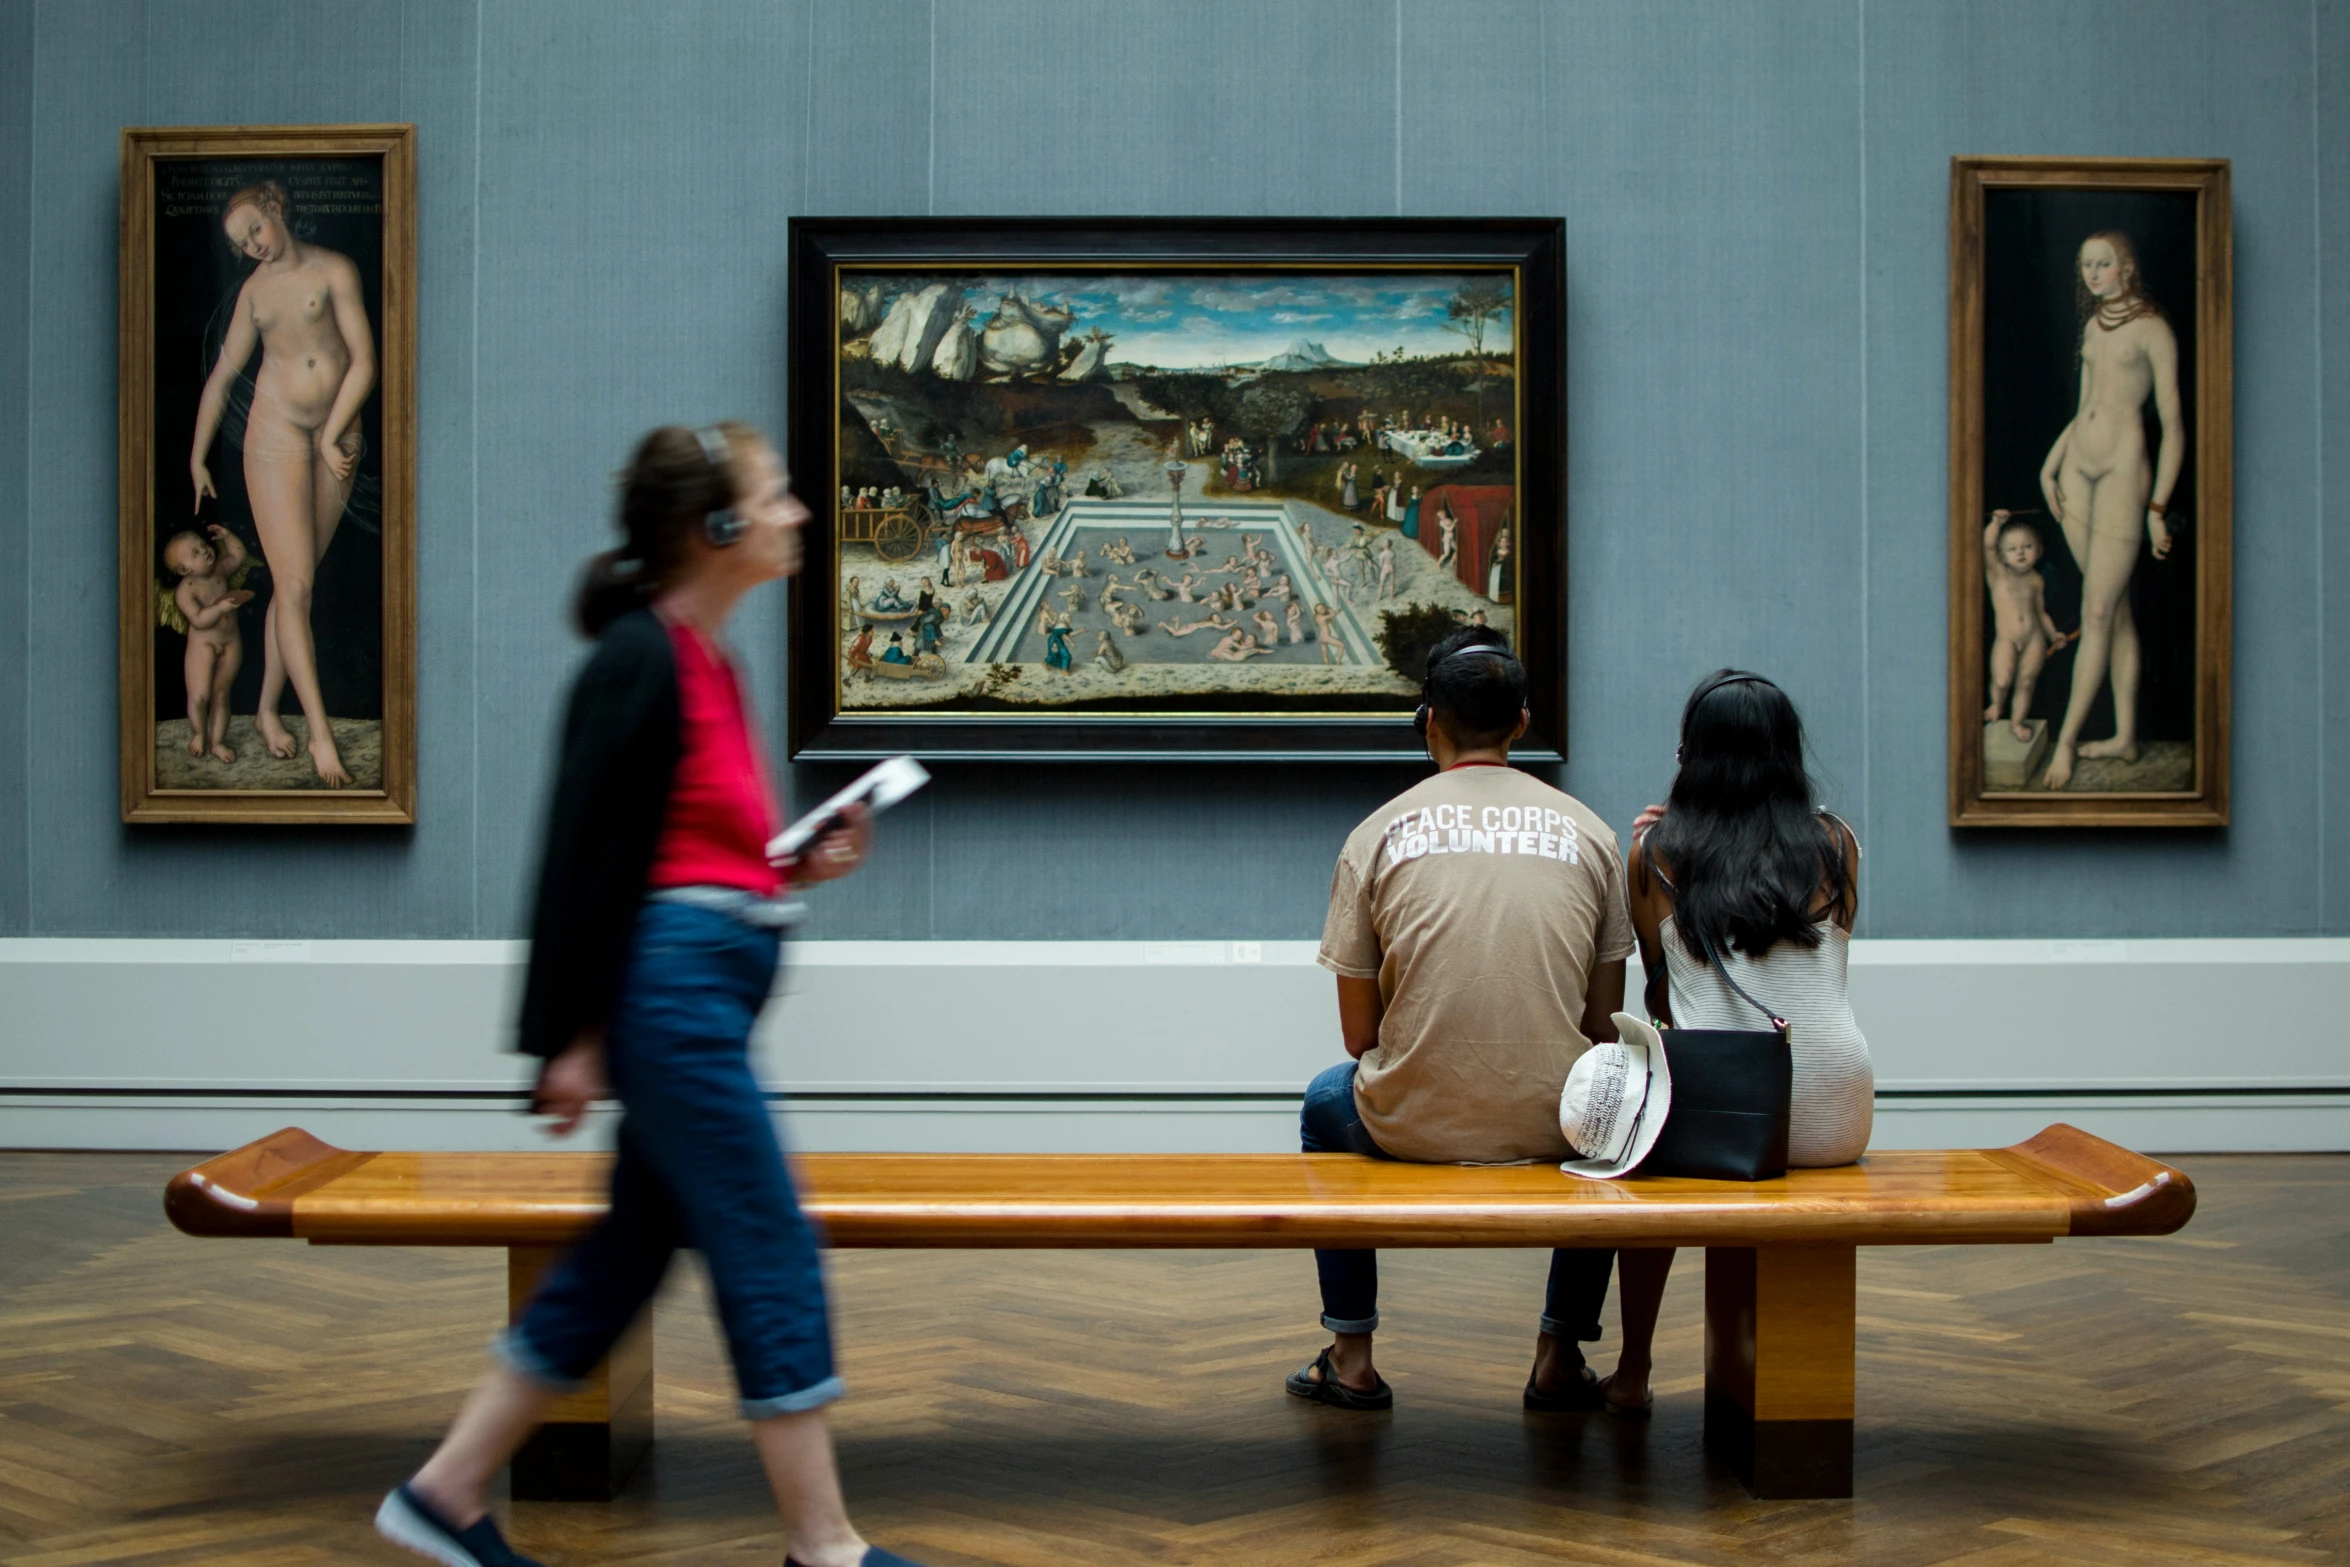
1493	829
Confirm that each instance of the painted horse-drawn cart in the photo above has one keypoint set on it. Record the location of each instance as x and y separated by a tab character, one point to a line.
897	533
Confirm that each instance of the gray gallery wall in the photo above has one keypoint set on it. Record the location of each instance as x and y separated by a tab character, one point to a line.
1755	206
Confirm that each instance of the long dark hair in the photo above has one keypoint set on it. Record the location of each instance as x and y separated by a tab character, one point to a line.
666	490
1750	856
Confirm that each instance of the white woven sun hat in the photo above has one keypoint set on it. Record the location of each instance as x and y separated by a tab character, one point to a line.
1616	1100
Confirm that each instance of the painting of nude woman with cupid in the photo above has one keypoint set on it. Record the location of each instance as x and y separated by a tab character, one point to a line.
2090	491
268	539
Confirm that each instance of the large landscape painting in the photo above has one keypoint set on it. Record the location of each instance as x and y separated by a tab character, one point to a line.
1138	503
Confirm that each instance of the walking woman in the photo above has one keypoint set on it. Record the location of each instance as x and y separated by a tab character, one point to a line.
1740	860
654	944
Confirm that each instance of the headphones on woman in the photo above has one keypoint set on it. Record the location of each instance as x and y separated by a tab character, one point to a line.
1719	681
723	527
1716	684
1420	717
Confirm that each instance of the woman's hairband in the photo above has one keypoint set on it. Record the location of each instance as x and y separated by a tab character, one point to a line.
713	441
1716	684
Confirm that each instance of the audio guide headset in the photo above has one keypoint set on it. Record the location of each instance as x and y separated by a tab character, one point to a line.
725	525
1490	650
1708	689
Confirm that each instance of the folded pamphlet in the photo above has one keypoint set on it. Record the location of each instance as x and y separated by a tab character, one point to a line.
882	786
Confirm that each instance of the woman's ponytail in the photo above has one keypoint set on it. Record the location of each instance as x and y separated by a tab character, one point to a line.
609	587
669	486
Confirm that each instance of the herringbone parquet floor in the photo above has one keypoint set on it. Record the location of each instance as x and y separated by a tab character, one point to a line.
2115	1403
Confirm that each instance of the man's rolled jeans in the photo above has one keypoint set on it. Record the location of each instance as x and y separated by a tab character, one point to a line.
1329	1122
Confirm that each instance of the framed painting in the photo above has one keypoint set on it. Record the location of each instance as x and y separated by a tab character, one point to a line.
1158	489
2091	388
268	474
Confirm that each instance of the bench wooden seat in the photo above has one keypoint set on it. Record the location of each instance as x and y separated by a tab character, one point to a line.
1779	1254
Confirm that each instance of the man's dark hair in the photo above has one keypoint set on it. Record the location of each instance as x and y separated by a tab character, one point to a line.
1478	697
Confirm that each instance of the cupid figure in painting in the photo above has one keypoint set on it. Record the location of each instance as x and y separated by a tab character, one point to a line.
303	307
2101	486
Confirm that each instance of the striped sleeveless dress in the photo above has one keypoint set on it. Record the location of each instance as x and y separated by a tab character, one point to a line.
1835	1091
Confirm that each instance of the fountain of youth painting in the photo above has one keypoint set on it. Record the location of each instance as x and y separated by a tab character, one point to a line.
1067	492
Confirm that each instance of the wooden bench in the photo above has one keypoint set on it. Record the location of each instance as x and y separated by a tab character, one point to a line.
1779	1255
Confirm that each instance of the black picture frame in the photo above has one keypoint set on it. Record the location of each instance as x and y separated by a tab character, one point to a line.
818	726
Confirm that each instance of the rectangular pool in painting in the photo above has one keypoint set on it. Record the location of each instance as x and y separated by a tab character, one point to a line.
1098	500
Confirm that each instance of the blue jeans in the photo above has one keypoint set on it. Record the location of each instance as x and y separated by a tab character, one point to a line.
1330	1122
699	1166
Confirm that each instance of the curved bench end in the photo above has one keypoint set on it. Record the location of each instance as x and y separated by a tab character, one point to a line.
250	1191
2112	1190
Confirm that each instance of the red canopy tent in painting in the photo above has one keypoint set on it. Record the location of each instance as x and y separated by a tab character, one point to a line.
1484	510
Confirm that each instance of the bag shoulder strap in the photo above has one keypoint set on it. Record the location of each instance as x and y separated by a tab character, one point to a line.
1723	969
1656	990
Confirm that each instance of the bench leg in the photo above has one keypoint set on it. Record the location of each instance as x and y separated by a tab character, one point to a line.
1778	1366
594	1438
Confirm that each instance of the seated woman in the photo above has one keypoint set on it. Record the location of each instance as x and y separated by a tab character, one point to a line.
1741	860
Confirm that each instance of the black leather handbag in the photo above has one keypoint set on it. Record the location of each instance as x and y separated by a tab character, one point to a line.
1733	1089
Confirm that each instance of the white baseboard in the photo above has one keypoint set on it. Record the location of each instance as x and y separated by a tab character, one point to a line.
2168	1046
2157	1124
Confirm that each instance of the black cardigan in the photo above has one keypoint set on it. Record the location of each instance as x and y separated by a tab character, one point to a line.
622	736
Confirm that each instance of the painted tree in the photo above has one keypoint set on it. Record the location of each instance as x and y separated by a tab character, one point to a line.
1270	412
1474	306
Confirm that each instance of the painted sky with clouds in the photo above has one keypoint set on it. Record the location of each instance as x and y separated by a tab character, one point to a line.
1190	322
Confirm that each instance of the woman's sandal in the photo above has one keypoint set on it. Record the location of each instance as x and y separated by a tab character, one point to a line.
1639	1411
1327	1389
1580	1396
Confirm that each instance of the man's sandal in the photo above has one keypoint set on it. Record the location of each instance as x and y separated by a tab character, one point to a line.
1327	1389
1580	1396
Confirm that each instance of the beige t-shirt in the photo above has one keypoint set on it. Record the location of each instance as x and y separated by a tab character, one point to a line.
1481	900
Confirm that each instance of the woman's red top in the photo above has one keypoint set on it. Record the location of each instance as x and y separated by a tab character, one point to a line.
721	804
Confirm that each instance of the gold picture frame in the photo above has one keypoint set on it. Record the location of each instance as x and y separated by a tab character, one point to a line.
2091	371
305	457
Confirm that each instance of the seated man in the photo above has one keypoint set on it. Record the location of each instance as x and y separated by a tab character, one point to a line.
1478	931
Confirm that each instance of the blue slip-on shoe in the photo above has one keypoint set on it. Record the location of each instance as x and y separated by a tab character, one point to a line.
874	1556
408	1519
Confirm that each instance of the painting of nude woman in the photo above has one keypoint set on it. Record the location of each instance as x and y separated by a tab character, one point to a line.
268	474
2089	492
